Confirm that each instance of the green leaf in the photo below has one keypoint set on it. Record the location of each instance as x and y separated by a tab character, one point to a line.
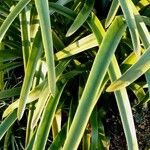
95	143
130	19
36	92
81	17
10	18
96	27
133	73
59	140
40	106
46	121
94	82
45	24
63	10
144	100
112	12
9	66
8	55
121	96
29	73
77	47
146	20
7	123
138	91
124	107
10	92
33	95
25	36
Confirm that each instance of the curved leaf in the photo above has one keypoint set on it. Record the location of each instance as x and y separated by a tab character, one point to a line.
29	73
7	122
133	73
46	121
98	71
45	24
130	19
81	17
112	12
10	18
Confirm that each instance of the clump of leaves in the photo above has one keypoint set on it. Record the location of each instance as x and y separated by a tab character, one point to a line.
57	60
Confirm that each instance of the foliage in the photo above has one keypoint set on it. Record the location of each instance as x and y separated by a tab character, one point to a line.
57	59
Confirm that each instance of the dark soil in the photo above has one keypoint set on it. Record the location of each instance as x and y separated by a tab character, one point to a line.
142	124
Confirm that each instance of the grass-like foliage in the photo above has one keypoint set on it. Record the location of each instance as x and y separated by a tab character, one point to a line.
57	62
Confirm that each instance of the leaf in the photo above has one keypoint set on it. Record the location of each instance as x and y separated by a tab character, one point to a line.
95	142
29	73
138	91
8	55
10	92
121	96
77	47
9	66
63	10
124	107
112	12
130	19
133	73
94	82
144	100
46	31
96	27
59	140
145	37
40	106
7	123
25	36
146	20
46	121
59	2
142	29
10	18
81	17
141	4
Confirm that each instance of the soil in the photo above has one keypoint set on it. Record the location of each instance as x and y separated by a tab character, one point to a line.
142	124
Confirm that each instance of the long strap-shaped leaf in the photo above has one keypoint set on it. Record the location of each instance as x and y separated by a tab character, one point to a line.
46	121
112	12
121	96
1	72
81	18
124	108
45	24
40	106
29	73
144	35
8	55
79	46
6	24
138	69
59	140
129	16
25	36
6	124
98	71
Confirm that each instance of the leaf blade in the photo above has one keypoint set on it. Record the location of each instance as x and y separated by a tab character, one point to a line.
81	17
45	24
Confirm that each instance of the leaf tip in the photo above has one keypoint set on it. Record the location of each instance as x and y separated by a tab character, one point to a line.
69	33
20	111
